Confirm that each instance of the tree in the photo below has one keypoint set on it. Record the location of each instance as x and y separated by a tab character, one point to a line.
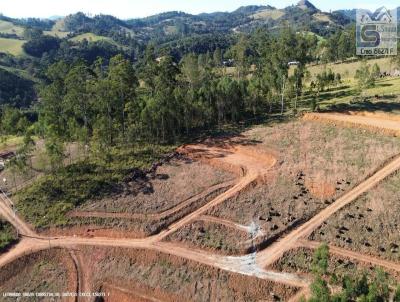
320	291
32	33
396	297
376	71
52	116
364	76
240	55
218	57
13	121
77	101
321	260
123	84
38	46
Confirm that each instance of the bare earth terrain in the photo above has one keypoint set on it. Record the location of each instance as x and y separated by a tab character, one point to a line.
293	181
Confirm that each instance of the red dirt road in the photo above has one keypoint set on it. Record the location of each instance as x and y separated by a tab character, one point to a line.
383	123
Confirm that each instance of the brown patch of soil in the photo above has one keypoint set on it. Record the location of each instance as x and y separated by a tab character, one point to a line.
171	278
320	189
325	153
214	237
377	114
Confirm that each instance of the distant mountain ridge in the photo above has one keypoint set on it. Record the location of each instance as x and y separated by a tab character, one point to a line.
171	26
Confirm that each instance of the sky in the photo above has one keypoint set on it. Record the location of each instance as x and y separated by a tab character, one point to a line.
126	9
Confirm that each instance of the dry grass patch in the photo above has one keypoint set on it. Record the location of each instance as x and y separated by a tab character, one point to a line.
370	225
317	164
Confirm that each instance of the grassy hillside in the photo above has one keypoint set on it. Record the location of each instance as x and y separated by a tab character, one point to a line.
267	14
348	69
384	96
91	37
56	33
21	73
9	28
12	46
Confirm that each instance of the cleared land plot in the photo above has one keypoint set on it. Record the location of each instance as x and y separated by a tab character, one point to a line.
151	202
213	236
11	46
318	163
173	183
300	261
370	225
141	274
48	271
268	14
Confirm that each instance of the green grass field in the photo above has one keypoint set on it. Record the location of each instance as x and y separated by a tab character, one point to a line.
90	37
385	95
12	46
348	69
9	28
56	33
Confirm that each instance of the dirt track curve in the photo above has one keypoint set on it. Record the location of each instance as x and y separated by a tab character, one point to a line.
378	122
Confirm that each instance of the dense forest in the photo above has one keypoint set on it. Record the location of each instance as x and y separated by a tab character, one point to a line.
15	91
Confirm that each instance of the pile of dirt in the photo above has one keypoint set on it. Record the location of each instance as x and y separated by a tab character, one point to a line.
169	278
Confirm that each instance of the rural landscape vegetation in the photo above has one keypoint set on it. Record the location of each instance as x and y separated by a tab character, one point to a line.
241	156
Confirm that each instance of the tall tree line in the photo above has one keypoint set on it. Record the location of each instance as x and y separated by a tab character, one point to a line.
159	100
